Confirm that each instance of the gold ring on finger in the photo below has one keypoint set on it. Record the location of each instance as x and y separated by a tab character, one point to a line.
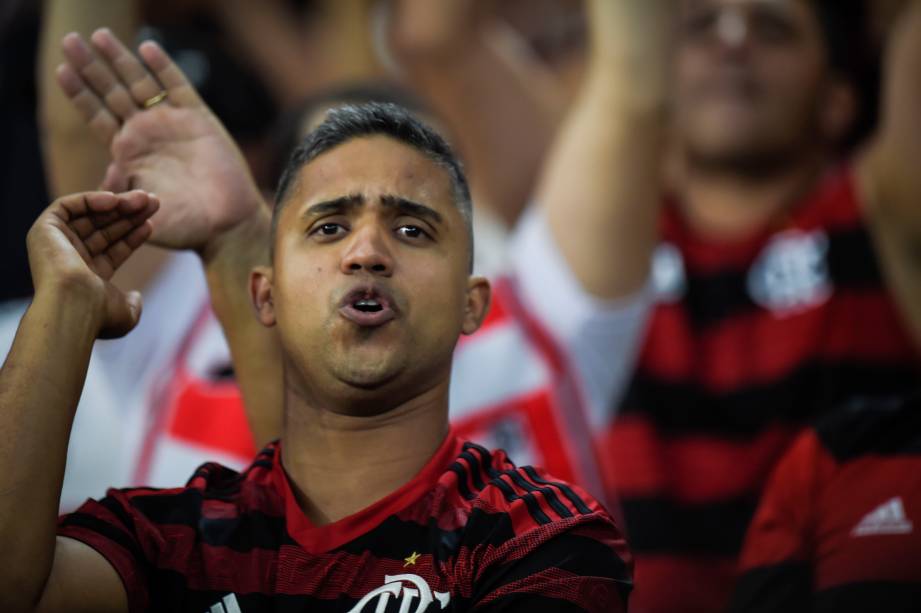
154	100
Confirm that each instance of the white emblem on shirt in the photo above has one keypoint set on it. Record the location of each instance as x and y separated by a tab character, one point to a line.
887	518
393	587
228	604
668	276
791	275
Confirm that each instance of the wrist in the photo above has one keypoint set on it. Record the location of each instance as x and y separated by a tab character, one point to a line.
247	240
76	310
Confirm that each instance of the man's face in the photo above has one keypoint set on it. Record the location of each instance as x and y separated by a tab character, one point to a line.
750	76
370	287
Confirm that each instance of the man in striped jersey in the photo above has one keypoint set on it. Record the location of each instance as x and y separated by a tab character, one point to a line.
368	502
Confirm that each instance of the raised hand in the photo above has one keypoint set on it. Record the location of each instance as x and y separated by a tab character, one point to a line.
162	137
78	243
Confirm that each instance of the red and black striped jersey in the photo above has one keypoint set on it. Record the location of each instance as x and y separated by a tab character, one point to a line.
839	526
471	532
750	340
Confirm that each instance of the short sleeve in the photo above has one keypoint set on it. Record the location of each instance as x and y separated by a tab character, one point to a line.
601	337
122	536
579	564
776	557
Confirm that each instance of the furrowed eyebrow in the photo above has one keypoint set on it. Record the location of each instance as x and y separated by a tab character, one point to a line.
414	209
336	205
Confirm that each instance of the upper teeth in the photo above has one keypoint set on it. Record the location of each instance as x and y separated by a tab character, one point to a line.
367	302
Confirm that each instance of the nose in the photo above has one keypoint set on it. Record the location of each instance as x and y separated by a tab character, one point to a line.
367	251
733	30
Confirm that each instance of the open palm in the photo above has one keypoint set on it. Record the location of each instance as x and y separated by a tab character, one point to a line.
175	148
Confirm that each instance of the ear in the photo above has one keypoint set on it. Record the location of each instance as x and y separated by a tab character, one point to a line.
260	291
478	296
839	110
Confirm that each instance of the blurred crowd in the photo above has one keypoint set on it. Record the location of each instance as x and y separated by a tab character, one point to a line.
707	269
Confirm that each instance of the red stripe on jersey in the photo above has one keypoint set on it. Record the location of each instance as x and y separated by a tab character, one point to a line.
723	358
690	469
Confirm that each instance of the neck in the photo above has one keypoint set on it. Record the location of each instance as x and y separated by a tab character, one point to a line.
727	204
340	464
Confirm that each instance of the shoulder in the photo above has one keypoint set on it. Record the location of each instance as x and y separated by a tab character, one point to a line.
523	505
885	426
532	536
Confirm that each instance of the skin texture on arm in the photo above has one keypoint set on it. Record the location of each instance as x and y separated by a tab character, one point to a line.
74	248
210	203
502	104
74	161
888	172
601	186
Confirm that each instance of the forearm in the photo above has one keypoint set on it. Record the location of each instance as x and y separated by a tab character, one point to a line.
40	385
255	350
601	185
502	107
74	160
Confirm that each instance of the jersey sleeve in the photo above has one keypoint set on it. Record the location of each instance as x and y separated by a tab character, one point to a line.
776	571
577	564
601	337
123	536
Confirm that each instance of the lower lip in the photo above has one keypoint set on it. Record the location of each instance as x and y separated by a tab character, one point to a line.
365	318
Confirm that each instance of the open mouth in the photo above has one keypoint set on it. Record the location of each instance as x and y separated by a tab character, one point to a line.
367	306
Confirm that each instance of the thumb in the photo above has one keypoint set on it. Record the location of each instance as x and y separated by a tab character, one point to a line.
123	311
115	180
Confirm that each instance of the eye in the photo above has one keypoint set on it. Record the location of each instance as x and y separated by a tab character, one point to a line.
411	231
328	229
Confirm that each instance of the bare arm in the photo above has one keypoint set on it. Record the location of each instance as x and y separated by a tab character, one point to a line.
74	161
600	190
210	203
889	174
500	102
74	247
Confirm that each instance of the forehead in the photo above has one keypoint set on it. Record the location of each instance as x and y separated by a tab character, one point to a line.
371	166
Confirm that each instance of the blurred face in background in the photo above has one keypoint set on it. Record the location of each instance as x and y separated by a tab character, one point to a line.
753	85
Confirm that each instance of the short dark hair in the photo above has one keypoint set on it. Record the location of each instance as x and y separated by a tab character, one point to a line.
348	122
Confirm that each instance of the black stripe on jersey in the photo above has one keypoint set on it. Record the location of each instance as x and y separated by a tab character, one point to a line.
573	498
888	596
812	388
458	469
879	426
661	526
110	532
548	493
476	471
779	588
579	555
507	490
713	297
247	531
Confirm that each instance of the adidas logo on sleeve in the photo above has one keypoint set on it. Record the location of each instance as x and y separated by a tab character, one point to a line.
887	518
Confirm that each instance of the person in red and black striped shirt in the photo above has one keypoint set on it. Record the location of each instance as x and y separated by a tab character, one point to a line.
786	277
367	503
838	526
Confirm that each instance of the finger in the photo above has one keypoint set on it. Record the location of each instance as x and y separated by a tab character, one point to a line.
106	237
116	180
74	206
96	74
140	83
99	76
99	119
181	92
107	262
